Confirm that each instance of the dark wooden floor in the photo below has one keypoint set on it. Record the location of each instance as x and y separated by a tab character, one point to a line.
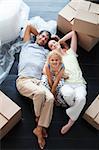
82	136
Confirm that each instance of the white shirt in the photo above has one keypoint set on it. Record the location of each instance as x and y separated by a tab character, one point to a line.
72	68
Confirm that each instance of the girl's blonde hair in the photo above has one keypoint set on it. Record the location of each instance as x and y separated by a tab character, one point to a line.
54	52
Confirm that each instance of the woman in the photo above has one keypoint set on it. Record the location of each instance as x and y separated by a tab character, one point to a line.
74	88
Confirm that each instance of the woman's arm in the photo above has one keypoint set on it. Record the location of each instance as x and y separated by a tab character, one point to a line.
71	35
29	29
58	78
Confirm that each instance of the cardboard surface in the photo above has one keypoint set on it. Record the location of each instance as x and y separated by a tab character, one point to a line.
10	114
86	23
65	19
86	41
3	121
91	115
80	4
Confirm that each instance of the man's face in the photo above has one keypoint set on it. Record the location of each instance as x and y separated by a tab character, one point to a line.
42	38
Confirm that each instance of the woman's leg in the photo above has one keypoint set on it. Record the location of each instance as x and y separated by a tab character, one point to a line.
67	126
68	94
80	99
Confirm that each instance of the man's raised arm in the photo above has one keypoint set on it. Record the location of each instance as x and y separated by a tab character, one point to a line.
29	29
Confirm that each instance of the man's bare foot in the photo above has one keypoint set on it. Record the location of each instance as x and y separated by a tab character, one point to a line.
45	135
41	141
67	127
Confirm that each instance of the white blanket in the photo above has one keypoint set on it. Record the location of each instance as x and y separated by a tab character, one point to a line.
40	24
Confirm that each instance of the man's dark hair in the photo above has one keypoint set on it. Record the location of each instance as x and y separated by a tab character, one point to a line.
54	38
49	34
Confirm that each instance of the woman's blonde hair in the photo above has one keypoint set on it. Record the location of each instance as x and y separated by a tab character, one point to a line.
54	52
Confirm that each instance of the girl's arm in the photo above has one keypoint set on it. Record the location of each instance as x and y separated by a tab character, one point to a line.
58	78
48	73
29	29
71	35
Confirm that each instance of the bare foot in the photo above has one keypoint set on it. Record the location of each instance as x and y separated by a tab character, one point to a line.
45	135
39	135
67	127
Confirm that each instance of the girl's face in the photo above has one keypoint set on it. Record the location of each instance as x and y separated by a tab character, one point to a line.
52	44
54	61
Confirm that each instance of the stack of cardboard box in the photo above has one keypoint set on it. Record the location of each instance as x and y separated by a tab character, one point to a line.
83	17
91	115
10	114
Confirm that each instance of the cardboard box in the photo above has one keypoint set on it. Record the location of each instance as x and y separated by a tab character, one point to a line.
66	16
66	19
10	114
87	42
91	115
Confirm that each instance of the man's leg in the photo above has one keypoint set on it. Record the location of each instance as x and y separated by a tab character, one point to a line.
29	88
45	117
47	109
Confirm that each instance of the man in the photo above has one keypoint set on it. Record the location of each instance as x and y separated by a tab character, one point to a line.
31	62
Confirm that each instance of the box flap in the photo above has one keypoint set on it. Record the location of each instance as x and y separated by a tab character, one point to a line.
97	119
68	13
73	4
98	19
3	121
7	107
94	8
93	109
84	5
86	16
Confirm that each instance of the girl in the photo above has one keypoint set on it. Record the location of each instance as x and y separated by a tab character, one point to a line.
53	74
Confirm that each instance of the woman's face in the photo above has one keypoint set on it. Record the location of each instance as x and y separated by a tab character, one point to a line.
52	44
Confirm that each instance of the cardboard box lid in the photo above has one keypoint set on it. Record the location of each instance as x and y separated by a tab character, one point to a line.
7	107
93	109
68	13
3	121
87	16
81	4
94	8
